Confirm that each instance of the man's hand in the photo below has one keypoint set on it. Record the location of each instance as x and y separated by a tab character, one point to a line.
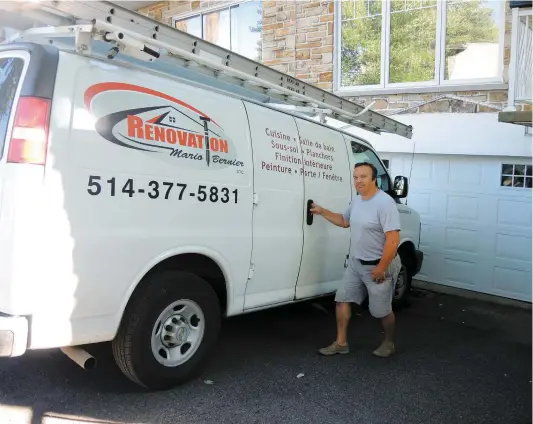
316	209
378	274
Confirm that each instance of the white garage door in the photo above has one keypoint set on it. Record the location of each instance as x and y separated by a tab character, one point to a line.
476	220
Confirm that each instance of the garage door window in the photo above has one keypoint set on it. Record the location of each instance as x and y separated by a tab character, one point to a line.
517	176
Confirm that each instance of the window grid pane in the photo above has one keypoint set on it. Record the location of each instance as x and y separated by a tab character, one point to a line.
516	176
361	44
472	39
413	26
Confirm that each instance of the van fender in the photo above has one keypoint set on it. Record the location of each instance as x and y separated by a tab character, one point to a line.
201	250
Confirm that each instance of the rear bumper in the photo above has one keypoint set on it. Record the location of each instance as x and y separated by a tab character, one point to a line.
419	255
13	335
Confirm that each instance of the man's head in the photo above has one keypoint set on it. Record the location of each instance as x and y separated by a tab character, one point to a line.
365	178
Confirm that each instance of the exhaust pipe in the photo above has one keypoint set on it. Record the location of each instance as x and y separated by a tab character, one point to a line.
80	356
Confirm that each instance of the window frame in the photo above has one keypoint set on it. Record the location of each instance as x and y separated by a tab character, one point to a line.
438	83
514	174
216	8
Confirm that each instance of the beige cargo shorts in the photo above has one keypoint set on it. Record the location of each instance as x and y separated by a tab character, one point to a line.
357	283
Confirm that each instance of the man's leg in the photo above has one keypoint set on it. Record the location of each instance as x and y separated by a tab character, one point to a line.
343	311
351	290
389	323
380	306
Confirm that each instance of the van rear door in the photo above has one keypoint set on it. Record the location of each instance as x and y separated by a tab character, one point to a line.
12	64
27	81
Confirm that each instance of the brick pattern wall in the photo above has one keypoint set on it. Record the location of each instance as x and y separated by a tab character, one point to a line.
298	40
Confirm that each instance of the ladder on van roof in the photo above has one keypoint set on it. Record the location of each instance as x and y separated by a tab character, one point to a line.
87	23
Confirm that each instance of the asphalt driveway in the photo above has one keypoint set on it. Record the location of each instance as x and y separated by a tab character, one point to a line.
458	361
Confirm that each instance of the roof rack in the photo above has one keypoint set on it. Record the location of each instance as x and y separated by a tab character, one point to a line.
91	24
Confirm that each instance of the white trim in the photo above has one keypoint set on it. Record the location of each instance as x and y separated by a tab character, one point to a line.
337	52
419	89
385	42
438	82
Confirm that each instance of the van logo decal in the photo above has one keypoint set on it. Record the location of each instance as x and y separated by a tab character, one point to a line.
155	122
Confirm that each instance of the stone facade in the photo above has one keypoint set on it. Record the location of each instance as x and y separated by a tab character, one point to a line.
298	39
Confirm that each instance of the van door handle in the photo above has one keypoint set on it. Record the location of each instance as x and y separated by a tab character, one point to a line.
309	214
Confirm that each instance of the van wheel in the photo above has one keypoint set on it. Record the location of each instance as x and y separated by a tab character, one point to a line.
168	330
403	285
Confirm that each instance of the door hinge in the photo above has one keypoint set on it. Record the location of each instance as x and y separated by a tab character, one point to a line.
346	261
256	198
251	272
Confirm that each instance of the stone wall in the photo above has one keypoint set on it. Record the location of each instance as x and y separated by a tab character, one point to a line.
298	40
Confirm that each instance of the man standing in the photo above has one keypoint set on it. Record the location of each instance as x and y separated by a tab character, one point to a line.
373	264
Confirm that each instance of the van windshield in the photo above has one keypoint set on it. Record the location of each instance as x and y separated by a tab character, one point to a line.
362	153
10	73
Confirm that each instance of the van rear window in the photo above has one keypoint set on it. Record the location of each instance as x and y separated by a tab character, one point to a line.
10	72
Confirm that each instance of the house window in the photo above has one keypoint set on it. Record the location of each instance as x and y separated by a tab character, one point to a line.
518	176
386	44
386	163
237	27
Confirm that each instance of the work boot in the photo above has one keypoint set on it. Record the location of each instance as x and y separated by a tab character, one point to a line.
385	350
333	349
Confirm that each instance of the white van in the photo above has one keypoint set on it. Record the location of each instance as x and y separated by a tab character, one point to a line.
141	209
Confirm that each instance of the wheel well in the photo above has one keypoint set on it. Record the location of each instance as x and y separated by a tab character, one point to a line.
407	252
200	265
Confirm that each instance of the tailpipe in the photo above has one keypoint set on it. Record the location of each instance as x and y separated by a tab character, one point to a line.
80	356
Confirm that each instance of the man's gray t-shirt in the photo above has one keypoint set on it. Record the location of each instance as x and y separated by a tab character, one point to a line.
369	221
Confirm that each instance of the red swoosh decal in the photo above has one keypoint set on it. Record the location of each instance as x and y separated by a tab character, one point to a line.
96	89
154	120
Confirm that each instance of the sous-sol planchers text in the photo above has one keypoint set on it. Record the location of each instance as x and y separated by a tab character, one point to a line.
318	160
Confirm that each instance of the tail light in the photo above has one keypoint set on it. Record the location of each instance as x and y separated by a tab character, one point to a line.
29	139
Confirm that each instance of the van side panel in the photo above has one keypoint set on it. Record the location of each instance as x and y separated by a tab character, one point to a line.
140	168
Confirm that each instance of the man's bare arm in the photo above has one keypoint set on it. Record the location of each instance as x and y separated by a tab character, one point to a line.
334	218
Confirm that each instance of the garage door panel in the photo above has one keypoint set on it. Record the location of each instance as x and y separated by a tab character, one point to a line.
463	208
460	240
460	272
513	247
464	172
512	281
514	213
421	202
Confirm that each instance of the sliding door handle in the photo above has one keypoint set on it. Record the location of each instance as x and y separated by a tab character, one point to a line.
309	214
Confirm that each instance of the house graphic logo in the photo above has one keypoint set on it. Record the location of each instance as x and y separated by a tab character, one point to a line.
161	124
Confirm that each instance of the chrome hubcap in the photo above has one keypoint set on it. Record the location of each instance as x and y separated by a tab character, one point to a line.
177	333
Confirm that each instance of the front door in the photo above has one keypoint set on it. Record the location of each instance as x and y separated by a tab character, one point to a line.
277	210
328	182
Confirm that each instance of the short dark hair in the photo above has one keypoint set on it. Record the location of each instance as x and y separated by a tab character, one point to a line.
374	169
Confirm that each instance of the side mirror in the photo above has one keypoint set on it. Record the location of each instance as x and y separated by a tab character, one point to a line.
401	187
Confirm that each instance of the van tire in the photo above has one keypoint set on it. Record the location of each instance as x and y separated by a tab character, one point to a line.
132	346
401	294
